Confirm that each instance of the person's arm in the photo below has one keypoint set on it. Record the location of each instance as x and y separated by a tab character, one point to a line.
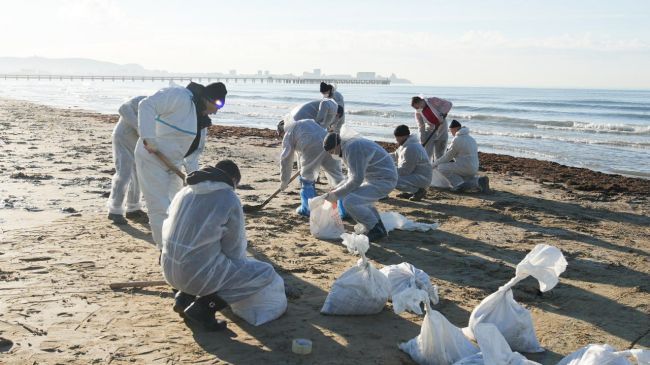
357	163
422	128
321	115
406	165
286	159
233	239
450	154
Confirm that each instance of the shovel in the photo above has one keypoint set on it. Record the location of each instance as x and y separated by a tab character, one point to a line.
169	165
255	208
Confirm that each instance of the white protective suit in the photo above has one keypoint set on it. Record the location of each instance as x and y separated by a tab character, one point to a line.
464	152
339	121
204	245
413	166
304	111
326	116
168	120
436	145
125	179
306	138
371	176
191	162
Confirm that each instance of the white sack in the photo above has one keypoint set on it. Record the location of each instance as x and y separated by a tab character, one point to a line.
393	221
324	220
405	279
263	306
439	341
605	355
362	289
545	263
494	349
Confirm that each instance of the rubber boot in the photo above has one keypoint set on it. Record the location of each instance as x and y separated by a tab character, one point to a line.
342	213
307	191
202	312
117	219
181	302
137	214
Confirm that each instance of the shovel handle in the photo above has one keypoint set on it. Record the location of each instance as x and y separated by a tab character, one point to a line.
277	191
137	284
170	165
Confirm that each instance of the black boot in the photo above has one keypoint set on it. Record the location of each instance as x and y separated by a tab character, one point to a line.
377	232
181	302
421	193
117	219
202	312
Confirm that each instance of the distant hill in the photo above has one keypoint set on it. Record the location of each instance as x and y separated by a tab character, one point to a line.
69	66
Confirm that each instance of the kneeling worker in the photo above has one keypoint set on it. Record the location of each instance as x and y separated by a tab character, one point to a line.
371	176
204	253
413	165
306	138
457	169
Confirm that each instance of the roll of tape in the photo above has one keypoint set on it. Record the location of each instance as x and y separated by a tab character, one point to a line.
301	346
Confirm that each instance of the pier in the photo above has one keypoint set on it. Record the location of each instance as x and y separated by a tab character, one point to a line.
208	79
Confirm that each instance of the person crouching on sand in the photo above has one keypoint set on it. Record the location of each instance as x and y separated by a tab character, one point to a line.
413	166
457	169
204	250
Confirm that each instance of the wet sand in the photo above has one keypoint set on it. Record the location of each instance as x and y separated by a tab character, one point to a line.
59	253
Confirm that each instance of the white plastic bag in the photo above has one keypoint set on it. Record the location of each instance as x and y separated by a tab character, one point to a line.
438	180
439	341
393	221
494	349
405	279
545	263
605	355
324	220
362	289
263	306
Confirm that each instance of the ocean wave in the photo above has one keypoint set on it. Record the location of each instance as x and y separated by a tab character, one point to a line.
381	113
615	143
609	105
597	128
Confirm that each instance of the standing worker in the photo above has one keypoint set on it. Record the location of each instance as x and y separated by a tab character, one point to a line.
431	117
125	179
170	123
458	168
413	165
306	138
330	91
371	176
327	116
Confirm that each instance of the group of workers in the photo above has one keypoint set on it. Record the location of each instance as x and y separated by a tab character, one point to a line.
200	228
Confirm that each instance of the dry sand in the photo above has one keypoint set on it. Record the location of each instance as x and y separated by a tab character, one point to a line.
55	265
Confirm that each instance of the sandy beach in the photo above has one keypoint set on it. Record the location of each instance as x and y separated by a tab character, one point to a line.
59	253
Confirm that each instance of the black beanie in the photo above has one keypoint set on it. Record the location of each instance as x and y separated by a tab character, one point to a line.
455	124
324	87
401	131
331	141
216	91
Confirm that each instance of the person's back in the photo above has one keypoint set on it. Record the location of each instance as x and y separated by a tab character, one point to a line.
326	116
363	156
466	150
306	134
129	112
305	111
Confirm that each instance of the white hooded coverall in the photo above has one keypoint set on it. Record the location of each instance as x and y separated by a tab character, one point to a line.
436	145
464	151
413	166
168	120
326	116
371	176
339	121
306	138
125	179
304	111
204	246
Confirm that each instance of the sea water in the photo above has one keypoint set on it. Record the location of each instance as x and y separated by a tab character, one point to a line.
603	130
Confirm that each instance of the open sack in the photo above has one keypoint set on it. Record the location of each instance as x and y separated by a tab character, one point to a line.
405	281
605	355
494	349
324	220
362	289
545	263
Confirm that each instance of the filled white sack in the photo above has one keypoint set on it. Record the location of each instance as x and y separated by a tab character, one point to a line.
324	220
439	341
394	220
545	263
605	355
263	306
404	280
362	289
494	349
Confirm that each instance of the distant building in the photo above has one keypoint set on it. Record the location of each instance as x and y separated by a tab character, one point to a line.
232	72
317	72
366	75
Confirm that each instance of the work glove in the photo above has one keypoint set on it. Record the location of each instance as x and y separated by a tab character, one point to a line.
330	197
150	145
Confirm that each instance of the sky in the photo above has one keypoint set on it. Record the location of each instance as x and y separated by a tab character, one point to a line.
518	43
